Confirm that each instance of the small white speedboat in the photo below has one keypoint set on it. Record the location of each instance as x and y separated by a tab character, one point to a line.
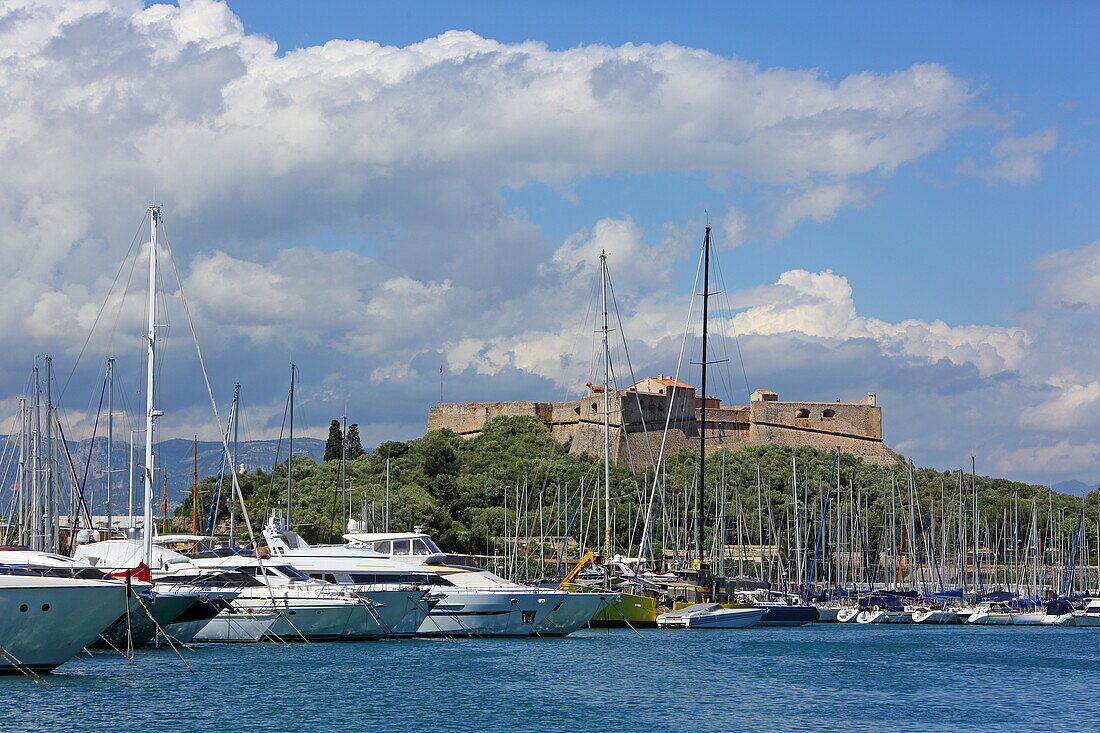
710	616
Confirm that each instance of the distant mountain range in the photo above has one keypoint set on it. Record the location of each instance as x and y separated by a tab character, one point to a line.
176	455
1075	487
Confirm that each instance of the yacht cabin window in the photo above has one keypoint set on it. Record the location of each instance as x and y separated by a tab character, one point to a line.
401	547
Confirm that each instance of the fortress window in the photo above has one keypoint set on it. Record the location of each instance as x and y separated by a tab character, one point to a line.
577	410
803	412
594	407
828	413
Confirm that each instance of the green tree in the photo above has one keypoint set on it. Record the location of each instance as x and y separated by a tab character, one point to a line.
335	442
355	445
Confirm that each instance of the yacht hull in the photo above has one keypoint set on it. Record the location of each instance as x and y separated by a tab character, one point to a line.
44	622
464	612
188	624
1065	619
787	615
630	610
236	625
570	611
396	612
148	613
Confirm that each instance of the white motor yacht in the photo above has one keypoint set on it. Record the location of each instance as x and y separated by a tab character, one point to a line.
46	620
463	610
565	611
380	611
710	616
272	599
158	605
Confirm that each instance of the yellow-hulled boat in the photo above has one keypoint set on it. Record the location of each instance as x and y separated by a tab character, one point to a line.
629	610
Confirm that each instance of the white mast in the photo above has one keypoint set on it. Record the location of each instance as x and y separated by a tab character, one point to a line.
23	515
36	466
50	529
797	525
290	459
606	416
232	499
110	436
150	368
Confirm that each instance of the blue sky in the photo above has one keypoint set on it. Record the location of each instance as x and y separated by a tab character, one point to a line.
902	196
950	236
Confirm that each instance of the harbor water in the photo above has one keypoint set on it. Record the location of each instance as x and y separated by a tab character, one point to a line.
819	677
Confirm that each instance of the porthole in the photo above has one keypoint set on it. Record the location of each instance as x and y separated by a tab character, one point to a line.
318	613
45	607
23	608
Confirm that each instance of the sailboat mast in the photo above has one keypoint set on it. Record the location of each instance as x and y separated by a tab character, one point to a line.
37	538
195	486
235	417
110	437
23	514
50	530
150	378
344	465
606	415
290	458
703	403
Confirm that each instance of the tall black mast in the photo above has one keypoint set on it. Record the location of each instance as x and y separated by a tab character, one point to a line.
703	404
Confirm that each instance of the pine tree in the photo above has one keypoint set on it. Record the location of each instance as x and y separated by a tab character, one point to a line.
355	445
335	442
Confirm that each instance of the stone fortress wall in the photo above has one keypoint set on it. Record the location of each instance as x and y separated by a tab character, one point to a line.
639	414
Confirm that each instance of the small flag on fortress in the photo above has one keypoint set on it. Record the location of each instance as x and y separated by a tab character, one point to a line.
440	368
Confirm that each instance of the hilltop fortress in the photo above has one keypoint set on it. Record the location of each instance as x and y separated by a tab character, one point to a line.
639	413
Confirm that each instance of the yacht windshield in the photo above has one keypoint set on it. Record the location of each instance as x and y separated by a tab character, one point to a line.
288	571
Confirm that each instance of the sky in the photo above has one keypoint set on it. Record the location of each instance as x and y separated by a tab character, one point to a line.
901	195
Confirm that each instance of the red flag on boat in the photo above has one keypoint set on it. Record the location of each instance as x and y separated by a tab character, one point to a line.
141	572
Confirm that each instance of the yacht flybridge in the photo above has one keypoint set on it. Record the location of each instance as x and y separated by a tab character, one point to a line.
474	602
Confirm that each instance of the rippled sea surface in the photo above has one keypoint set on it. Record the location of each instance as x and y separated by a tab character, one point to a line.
820	677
